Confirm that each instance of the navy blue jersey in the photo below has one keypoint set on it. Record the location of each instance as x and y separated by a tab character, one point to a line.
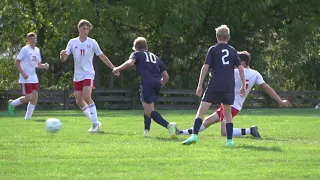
222	58
149	66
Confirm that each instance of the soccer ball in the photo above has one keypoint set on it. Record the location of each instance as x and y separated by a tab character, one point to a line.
53	125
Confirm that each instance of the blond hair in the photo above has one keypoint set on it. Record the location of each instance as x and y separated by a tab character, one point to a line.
223	33
84	22
140	43
31	34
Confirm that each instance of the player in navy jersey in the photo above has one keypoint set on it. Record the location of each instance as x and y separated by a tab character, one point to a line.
153	75
221	58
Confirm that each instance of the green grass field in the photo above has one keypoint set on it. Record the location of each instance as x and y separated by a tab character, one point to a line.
290	148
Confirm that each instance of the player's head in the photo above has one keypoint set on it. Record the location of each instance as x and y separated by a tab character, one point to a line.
223	33
32	38
140	44
245	57
84	27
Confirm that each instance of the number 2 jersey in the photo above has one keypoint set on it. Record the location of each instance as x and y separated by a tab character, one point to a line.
83	53
149	66
252	77
222	58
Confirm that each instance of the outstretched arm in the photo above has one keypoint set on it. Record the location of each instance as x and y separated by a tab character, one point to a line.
272	93
203	73
129	63
106	61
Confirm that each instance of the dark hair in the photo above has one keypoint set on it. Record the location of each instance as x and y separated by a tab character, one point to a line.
245	56
31	34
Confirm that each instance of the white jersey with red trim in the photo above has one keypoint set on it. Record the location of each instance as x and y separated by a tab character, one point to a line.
29	58
252	77
83	53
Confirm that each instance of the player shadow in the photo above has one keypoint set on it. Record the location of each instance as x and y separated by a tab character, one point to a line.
261	139
114	133
39	120
166	139
259	148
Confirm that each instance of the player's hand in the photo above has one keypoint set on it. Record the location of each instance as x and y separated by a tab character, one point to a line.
63	54
116	73
242	91
25	76
285	103
199	91
46	66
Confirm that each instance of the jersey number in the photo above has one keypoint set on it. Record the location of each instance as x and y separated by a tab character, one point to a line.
151	57
82	52
247	83
226	55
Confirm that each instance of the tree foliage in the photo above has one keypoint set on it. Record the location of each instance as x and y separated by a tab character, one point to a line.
282	36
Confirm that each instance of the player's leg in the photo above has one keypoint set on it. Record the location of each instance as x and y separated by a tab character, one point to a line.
208	121
33	102
21	100
203	109
87	93
147	125
229	123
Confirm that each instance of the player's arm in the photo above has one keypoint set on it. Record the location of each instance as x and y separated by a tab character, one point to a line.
203	73
42	66
272	93
129	63
63	55
243	80
106	61
165	78
18	65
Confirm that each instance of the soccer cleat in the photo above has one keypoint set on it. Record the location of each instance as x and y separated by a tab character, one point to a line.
146	133
10	108
172	127
95	127
191	140
229	142
254	131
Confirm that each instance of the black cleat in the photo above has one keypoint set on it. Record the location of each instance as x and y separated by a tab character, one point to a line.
254	131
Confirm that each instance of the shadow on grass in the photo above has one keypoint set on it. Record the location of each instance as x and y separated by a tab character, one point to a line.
260	139
167	139
259	148
39	120
114	133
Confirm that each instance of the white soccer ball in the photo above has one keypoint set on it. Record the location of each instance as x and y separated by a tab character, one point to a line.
53	125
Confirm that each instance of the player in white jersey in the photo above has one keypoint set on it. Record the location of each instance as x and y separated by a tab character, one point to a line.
29	58
83	49
252	77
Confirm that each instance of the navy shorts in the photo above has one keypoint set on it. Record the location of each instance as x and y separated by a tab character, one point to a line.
149	92
218	97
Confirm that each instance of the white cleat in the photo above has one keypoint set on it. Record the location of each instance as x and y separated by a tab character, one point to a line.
146	133
95	127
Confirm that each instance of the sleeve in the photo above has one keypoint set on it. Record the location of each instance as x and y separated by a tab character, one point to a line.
237	60
134	56
69	46
162	66
39	60
259	79
209	57
22	54
97	49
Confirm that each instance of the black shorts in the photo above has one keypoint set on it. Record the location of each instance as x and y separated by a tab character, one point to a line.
218	97
149	92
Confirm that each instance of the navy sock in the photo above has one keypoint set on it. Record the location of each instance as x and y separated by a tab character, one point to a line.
147	122
159	119
229	128
197	125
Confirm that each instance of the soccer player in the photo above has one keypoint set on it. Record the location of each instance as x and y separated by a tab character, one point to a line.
252	77
221	58
83	49
153	76
29	58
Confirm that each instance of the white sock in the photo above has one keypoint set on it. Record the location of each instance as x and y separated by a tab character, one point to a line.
237	132
94	114
185	132
30	109
16	102
248	131
202	128
87	112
